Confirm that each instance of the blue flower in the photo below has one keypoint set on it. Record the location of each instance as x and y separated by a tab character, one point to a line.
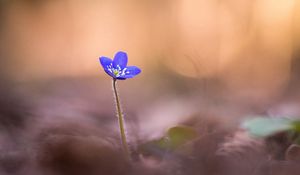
118	68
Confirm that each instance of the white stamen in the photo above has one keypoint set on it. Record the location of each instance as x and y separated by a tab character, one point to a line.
117	71
123	71
119	68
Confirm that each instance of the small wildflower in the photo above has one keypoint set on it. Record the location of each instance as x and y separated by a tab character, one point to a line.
118	68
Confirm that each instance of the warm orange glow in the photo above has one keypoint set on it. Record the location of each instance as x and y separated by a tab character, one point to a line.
247	44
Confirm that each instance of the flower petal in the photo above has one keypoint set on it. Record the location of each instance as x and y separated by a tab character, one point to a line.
105	62
130	72
120	60
107	65
120	78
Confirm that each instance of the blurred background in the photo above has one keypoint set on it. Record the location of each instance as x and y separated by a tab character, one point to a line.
227	57
205	63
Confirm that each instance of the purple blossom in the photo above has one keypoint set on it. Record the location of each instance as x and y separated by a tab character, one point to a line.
118	68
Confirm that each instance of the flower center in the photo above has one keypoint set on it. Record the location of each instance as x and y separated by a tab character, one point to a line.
117	72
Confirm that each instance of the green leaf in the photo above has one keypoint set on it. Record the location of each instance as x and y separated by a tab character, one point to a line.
296	125
180	135
263	127
173	139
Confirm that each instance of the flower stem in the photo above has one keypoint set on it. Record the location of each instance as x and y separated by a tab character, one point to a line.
121	120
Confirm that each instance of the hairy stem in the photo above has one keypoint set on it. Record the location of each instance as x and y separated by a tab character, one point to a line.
121	120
